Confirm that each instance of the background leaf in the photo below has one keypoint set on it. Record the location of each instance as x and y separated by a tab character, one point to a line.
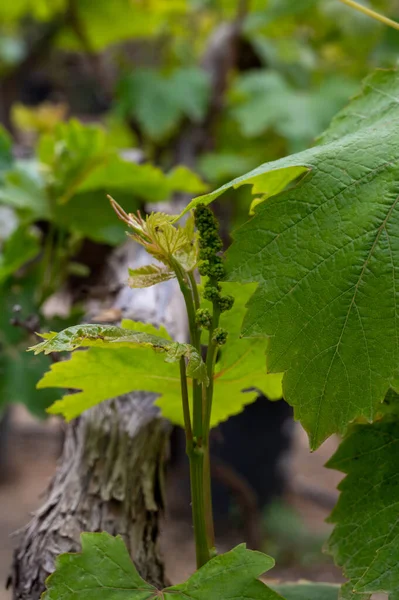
159	102
22	246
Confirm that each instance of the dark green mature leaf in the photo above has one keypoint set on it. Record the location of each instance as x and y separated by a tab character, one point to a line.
307	591
104	570
326	257
365	539
104	336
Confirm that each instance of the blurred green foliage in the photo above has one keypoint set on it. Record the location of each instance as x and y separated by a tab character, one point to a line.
296	64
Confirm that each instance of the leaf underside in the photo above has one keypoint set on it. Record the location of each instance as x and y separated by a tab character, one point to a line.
365	538
325	255
104	571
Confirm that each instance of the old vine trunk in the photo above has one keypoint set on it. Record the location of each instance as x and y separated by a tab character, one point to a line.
110	474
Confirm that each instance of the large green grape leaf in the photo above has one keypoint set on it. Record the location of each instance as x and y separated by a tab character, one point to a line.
103	570
103	373
365	539
240	372
325	254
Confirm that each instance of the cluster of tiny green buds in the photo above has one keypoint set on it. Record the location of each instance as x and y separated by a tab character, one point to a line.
219	336
203	318
212	292
225	303
211	265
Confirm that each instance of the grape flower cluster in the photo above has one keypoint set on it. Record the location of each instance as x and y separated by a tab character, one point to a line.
211	266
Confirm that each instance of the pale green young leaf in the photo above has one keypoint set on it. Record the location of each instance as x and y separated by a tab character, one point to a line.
148	275
365	538
325	255
103	570
267	180
103	373
240	372
307	591
106	336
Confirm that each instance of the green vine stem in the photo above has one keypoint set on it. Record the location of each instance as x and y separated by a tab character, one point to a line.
197	444
195	455
371	13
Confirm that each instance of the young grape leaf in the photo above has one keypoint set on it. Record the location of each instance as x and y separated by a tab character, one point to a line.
149	275
104	570
240	372
118	337
103	373
325	254
365	539
307	591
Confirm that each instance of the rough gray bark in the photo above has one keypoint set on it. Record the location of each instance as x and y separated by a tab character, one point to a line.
110	474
